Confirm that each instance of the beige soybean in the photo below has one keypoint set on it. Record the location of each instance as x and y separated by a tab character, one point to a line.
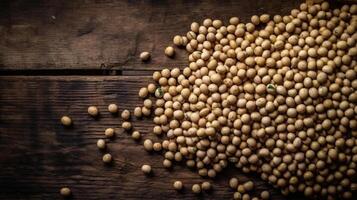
169	51
136	135
206	186
126	126
93	111
146	169
148	145
65	192
196	188
109	132
137	112
113	108
107	158
125	115
144	56
178	185
101	144
66	121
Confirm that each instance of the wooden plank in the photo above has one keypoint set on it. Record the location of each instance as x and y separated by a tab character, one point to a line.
108	34
39	156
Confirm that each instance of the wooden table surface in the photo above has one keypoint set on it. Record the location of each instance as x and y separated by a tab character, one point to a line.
59	57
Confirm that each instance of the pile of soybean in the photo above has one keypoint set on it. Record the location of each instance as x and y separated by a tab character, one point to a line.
275	96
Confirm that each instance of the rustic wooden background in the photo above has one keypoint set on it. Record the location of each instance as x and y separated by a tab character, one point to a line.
59	57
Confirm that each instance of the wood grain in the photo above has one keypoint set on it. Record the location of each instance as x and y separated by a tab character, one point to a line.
39	156
108	34
90	37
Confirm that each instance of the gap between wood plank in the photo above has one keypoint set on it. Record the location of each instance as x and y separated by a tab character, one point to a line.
76	72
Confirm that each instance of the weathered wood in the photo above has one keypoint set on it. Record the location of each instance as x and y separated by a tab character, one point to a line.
39	156
108	34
